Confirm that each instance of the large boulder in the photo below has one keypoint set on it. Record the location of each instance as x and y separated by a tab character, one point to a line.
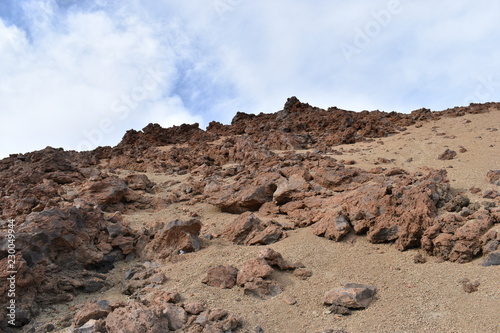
247	229
334	225
243	196
221	276
137	317
176	237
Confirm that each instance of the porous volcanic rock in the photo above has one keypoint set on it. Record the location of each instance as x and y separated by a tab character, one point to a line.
137	317
351	296
447	155
243	197
60	252
457	241
221	277
334	225
493	177
247	229
175	237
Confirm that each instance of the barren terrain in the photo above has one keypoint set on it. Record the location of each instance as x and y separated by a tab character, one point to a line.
411	295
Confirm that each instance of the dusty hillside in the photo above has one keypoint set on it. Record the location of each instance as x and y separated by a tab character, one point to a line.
406	203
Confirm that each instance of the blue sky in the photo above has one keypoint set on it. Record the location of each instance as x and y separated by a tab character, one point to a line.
78	74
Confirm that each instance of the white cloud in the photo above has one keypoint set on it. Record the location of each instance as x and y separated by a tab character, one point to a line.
62	80
67	70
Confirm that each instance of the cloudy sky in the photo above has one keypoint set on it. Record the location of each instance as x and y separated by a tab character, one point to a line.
79	73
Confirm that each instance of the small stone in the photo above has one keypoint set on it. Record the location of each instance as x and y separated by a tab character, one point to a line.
447	155
195	308
419	259
290	300
341	310
302	273
470	287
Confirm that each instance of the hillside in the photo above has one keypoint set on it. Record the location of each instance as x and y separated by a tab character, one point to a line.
245	227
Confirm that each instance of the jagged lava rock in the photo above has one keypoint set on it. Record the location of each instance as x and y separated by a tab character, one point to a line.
351	296
247	229
176	236
221	277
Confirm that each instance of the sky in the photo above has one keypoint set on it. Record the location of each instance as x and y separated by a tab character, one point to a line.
78	74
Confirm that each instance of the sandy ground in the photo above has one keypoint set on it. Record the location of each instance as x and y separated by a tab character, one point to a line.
410	297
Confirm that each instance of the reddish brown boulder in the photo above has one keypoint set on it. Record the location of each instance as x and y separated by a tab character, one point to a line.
107	192
460	241
466	239
245	196
290	189
302	273
334	225
333	178
351	296
221	277
195	308
274	259
93	310
253	269
138	182
175	237
144	319
262	289
247	229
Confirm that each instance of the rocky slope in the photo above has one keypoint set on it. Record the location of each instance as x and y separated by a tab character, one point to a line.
180	209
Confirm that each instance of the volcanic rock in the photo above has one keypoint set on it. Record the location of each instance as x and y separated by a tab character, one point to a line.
145	319
493	259
447	155
176	236
93	310
247	229
262	289
274	259
460	242
221	277
493	177
107	192
253	269
351	296
334	225
248	196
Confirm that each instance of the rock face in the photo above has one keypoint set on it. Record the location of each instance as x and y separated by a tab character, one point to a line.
73	240
175	237
247	229
351	296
